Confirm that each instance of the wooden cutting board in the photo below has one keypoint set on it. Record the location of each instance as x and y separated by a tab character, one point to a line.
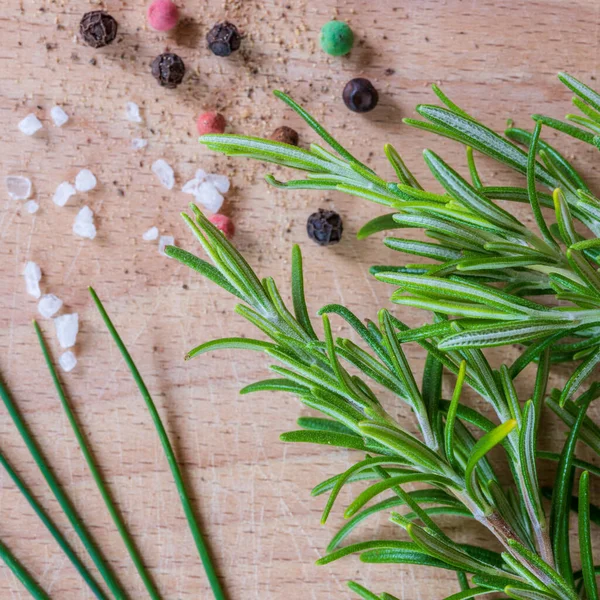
496	59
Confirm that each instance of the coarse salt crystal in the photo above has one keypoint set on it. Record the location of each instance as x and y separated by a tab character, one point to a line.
30	124
163	242
151	234
32	206
162	169
191	187
67	361
49	305
63	192
67	327
208	189
85	181
59	116
221	182
33	275
209	197
133	112
84	224
138	143
18	188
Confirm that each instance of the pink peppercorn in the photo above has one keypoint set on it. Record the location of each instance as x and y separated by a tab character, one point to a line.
163	15
211	122
224	224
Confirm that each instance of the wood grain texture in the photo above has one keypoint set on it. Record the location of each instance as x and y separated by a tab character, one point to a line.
497	59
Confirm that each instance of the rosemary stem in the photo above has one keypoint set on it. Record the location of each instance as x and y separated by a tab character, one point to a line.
102	488
74	518
502	530
22	574
53	529
201	545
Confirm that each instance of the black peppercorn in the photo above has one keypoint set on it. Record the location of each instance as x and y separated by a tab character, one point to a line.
360	95
168	69
98	28
223	39
325	227
286	135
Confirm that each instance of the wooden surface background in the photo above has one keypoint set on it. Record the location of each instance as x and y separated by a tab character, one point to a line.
496	59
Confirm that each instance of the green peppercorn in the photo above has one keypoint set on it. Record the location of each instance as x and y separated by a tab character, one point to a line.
336	38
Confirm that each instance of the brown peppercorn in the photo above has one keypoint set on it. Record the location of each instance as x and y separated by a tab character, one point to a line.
98	29
325	227
168	69
286	135
223	39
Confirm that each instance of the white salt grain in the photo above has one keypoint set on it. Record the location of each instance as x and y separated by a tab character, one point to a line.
133	112
84	224
151	234
208	189
30	125
209	197
67	361
138	143
49	305
85	181
63	192
59	116
32	274
18	188
221	182
163	242
32	206
67	327
191	187
164	172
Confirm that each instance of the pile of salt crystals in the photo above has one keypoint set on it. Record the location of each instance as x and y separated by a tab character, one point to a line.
208	189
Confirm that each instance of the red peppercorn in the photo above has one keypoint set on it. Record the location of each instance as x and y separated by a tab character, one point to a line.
163	15
325	227
223	224
286	135
360	95
211	122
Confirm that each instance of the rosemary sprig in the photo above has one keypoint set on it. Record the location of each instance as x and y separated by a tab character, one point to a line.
485	263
